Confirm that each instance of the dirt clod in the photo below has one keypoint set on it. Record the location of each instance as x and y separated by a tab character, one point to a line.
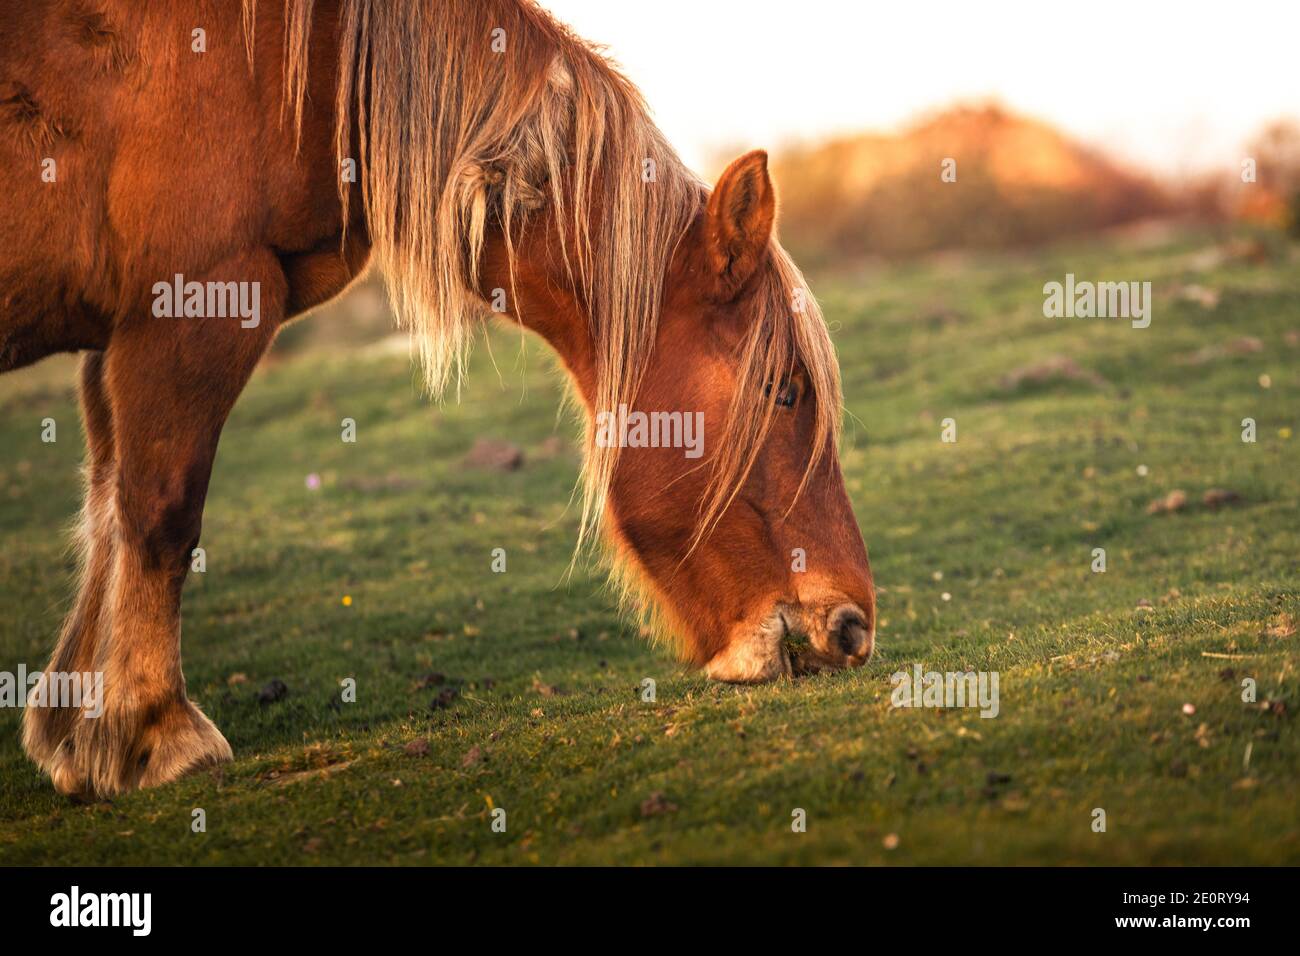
1218	497
444	699
274	691
1176	500
546	690
1057	368
496	455
657	804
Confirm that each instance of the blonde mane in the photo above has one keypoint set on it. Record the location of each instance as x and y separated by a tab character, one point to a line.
466	111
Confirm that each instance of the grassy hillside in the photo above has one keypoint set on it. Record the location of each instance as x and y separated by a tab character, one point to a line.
1067	430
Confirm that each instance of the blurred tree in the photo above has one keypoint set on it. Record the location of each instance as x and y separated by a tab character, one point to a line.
1274	199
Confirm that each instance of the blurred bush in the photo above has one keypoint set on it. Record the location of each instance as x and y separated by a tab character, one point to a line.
1018	183
1264	190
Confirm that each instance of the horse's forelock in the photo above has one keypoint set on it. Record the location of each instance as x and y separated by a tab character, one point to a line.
787	330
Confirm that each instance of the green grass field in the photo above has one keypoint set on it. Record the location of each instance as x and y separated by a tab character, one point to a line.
982	550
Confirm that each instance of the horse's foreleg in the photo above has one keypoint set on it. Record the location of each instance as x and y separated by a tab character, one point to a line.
171	383
45	728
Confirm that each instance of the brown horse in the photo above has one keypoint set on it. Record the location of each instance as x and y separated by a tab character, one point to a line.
180	178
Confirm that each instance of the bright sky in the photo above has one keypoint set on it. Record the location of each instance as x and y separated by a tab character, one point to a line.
1169	85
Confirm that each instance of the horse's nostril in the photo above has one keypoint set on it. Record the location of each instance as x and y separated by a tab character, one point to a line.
849	626
853	637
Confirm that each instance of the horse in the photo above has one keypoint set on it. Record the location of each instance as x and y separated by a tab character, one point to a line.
491	164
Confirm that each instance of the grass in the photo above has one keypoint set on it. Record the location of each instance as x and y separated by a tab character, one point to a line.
548	722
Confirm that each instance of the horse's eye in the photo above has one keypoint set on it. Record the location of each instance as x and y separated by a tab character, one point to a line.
786	395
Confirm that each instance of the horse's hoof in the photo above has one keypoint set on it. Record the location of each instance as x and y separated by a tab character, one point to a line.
120	752
44	731
192	744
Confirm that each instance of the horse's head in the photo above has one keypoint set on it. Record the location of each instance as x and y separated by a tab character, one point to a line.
704	365
718	476
746	539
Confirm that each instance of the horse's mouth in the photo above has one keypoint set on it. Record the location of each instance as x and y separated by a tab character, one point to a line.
813	641
793	640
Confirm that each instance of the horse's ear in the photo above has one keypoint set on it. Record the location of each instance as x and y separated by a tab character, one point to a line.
738	222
